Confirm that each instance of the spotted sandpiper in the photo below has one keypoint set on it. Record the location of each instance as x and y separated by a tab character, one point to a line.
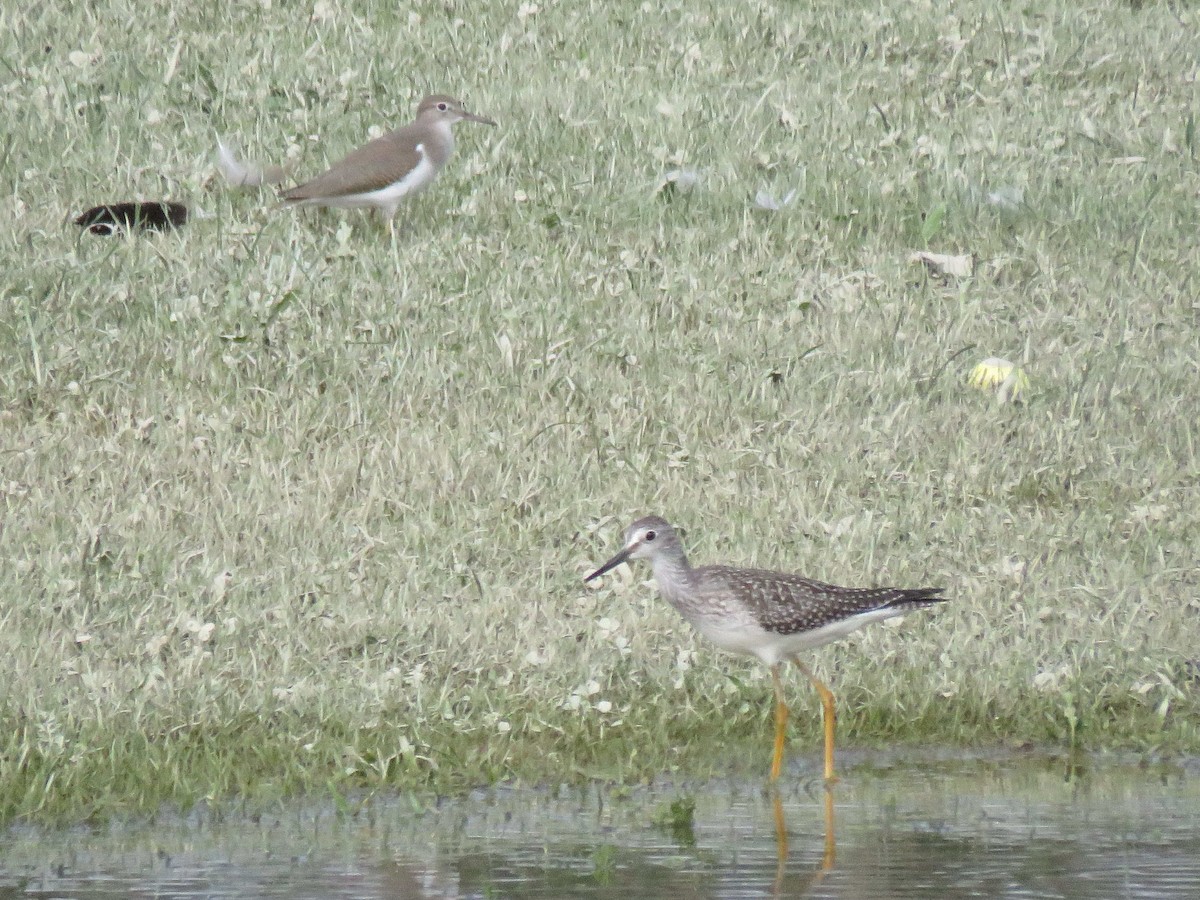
400	164
770	615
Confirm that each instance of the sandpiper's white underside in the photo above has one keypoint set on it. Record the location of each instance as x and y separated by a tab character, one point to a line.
387	199
773	648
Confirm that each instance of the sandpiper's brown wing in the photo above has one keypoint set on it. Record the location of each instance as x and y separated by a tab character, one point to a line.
372	166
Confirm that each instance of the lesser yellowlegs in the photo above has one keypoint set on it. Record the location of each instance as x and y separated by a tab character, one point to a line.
770	615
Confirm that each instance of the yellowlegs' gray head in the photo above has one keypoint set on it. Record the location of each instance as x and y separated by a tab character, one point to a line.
650	537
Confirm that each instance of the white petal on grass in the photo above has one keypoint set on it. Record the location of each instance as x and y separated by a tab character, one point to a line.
172	63
1007	197
1045	681
678	181
155	644
235	171
942	264
536	658
219	586
1008	379
607	627
242	174
770	203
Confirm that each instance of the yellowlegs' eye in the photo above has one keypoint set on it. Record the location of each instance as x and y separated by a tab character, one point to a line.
443	107
650	535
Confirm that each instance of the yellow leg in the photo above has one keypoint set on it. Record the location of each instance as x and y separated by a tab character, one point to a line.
830	838
781	717
781	838
802	887
829	715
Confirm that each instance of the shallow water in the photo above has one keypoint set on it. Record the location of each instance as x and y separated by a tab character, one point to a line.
974	827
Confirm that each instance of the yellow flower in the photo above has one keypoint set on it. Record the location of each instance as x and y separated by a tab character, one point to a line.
1008	380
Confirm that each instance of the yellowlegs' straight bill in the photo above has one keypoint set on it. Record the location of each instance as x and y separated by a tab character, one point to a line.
771	615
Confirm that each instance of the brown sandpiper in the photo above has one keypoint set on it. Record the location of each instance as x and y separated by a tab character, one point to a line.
770	615
385	171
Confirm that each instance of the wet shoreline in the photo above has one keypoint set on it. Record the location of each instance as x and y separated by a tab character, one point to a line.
975	823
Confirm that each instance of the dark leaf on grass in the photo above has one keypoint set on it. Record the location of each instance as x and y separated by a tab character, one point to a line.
109	218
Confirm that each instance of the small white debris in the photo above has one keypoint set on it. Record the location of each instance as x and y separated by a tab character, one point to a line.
505	346
536	658
243	174
1007	197
219	586
771	203
942	264
1047	680
155	645
678	181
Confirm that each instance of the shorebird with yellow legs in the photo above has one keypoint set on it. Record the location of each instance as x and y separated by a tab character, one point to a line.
769	615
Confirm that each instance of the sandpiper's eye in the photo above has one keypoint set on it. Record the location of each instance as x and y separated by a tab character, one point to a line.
650	535
443	107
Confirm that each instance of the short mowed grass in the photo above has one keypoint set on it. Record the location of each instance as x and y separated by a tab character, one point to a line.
293	505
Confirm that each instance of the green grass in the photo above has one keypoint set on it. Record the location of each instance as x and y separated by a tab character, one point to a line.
288	510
